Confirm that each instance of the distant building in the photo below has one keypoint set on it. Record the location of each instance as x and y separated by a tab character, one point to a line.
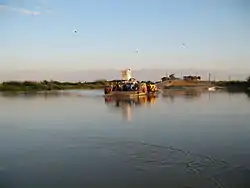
126	74
192	78
170	77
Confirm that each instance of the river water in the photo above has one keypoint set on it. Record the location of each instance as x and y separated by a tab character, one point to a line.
78	139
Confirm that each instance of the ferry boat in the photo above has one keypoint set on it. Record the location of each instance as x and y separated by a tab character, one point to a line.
128	89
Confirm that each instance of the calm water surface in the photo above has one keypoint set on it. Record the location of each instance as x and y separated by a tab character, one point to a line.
77	139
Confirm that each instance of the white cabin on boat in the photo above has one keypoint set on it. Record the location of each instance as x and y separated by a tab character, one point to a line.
126	74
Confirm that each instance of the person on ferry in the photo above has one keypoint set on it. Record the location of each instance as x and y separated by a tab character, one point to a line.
136	87
131	86
124	87
118	87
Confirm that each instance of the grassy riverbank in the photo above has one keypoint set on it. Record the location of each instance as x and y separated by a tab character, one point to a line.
234	85
30	86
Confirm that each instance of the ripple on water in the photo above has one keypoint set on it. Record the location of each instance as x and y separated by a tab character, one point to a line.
199	170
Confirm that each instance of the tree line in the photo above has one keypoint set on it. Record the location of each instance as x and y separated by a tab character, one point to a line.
98	84
50	85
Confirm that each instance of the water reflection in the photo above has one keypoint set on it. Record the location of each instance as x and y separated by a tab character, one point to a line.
248	94
199	143
187	93
127	104
43	94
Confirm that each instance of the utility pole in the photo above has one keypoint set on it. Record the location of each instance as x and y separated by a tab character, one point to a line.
209	77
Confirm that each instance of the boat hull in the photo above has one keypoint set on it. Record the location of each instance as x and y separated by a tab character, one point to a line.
130	94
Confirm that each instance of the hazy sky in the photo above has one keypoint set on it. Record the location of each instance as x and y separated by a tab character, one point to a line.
38	34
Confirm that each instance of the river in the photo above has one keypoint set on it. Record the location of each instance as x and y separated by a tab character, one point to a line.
77	139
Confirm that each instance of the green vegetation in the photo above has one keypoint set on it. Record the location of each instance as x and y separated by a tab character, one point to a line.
30	86
248	81
235	85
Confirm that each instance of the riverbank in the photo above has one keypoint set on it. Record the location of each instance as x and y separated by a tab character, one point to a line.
234	86
30	86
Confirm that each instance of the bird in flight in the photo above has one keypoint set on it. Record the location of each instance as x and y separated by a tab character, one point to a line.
184	45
